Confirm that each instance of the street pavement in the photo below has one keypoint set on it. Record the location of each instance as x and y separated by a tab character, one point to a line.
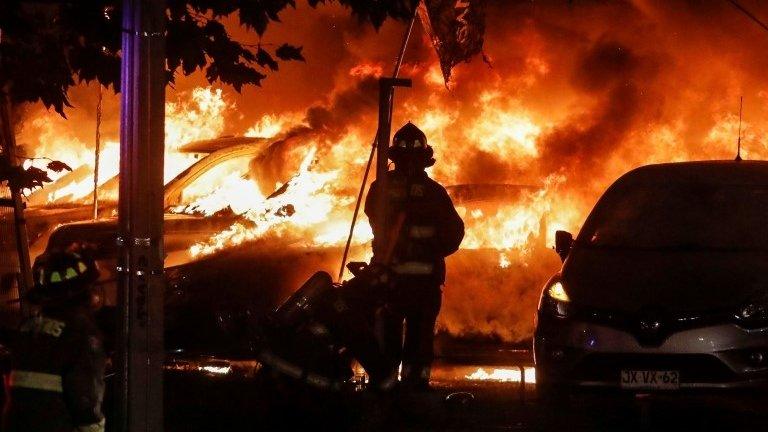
456	404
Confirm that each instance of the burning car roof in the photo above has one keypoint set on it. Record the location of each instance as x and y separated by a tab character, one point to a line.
220	143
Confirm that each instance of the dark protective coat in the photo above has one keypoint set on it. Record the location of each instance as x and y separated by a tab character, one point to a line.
57	378
431	230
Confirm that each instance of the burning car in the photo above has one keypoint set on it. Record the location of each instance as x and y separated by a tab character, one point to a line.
216	293
240	237
665	288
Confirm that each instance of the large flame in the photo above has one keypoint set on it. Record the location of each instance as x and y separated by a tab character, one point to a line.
199	117
303	202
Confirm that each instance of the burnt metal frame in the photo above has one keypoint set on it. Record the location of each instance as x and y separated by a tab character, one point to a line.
140	218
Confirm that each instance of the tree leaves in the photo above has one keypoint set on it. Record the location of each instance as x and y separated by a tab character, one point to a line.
58	166
30	178
289	52
264	59
21	178
45	50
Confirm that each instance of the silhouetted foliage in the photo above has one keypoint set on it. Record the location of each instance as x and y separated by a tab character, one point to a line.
29	178
22	178
48	46
58	166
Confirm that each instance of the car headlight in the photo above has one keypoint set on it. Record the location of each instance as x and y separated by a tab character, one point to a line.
555	300
754	314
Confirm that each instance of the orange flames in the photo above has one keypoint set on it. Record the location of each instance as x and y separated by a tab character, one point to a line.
201	117
503	375
302	203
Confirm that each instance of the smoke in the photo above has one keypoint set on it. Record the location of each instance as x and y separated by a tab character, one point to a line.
347	108
580	91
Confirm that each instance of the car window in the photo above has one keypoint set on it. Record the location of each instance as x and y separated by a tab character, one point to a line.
215	189
684	216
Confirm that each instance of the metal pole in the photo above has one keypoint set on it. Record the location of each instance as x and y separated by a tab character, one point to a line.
386	96
140	238
395	74
20	224
96	157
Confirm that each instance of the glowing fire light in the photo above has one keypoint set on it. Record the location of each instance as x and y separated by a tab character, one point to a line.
302	201
504	260
504	132
199	118
503	375
216	370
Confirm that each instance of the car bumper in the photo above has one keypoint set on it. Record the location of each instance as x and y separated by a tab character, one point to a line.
579	354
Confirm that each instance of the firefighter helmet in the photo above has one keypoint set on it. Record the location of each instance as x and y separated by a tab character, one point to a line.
62	275
409	145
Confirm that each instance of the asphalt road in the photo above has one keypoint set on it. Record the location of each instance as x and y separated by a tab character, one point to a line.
452	405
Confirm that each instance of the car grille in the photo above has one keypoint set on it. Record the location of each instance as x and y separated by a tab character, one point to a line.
666	323
694	368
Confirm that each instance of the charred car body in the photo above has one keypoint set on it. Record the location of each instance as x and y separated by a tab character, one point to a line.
213	301
665	287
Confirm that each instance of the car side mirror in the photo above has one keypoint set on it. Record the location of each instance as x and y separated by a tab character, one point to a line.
563	244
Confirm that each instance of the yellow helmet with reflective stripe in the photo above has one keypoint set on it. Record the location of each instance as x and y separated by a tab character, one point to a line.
60	275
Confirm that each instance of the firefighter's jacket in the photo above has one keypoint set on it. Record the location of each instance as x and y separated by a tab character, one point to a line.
56	383
423	225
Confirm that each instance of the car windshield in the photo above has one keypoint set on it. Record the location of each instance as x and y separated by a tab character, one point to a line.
680	216
216	178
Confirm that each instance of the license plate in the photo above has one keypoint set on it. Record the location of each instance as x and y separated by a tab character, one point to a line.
650	379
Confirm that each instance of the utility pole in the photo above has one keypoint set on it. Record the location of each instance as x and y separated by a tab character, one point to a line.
140	217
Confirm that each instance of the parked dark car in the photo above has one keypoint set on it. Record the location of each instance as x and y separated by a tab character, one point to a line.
665	288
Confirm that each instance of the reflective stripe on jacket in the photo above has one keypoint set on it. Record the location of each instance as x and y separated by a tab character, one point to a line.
57	378
95	427
431	230
413	268
36	381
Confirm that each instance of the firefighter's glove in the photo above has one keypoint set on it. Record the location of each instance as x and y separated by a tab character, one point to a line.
94	427
378	273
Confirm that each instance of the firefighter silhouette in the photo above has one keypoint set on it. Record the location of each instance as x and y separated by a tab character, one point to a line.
56	382
423	228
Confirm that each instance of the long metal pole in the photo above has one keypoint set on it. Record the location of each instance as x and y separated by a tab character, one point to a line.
386	122
395	73
140	238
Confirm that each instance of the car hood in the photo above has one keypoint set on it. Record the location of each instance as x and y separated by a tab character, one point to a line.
630	281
